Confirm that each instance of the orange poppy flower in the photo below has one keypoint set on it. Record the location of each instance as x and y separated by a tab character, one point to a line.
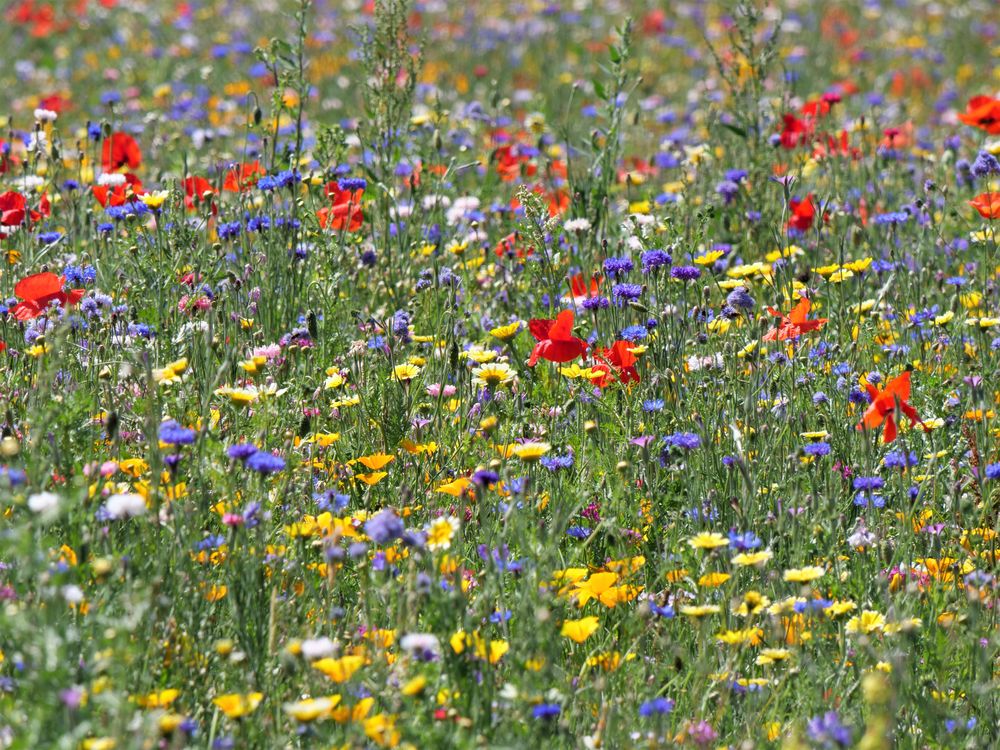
883	406
987	204
795	323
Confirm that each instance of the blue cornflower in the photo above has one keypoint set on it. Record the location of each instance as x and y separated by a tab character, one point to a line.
868	483
900	460
351	184
241	451
664	611
265	463
634	333
546	711
656	707
173	434
653	259
683	440
596	303
817	449
625	292
615	267
745	541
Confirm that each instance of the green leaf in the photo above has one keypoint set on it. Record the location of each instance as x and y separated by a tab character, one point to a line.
734	129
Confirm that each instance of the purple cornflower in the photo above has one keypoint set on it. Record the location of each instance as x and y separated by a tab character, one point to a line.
685	273
241	451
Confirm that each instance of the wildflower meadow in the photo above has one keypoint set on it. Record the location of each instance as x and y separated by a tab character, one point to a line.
535	374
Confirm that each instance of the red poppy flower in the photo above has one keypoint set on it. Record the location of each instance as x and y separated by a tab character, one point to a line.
581	290
983	112
795	323
243	177
345	213
803	213
883	406
987	204
120	150
556	342
558	202
616	363
509	164
55	103
14	210
38	291
794	132
119	194
511	245
198	190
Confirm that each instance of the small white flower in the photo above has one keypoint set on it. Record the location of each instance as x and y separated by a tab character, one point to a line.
577	225
72	593
317	648
45	115
111	180
125	505
420	643
43	502
37	141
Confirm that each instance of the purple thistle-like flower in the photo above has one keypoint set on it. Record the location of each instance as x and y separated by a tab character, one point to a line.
384	527
985	165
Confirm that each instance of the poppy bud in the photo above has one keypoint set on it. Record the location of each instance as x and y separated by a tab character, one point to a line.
257	115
